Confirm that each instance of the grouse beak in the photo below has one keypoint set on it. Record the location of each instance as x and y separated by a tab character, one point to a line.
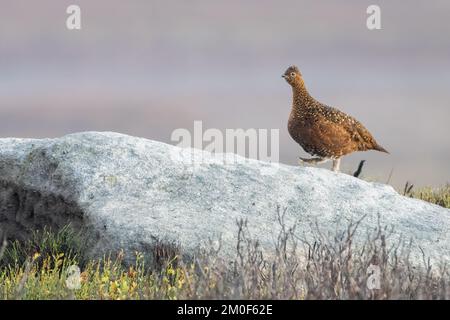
283	76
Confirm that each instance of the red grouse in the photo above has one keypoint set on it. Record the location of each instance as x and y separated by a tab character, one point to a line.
322	131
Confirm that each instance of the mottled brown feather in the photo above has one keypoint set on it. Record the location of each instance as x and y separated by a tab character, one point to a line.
321	130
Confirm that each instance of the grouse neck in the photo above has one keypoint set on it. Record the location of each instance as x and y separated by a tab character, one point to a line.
301	96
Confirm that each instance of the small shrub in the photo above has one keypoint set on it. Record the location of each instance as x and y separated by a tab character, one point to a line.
325	267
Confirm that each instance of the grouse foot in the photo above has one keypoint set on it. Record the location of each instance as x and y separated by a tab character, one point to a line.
336	165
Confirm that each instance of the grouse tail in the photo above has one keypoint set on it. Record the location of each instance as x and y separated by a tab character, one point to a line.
380	148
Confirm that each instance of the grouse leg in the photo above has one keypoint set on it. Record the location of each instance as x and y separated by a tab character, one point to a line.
336	164
312	160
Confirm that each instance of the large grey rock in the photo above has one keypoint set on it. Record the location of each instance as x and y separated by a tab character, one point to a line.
129	193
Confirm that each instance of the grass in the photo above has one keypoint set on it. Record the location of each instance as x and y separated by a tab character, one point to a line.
43	244
328	267
439	196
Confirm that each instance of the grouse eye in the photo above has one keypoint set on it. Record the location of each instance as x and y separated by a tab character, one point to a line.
292	74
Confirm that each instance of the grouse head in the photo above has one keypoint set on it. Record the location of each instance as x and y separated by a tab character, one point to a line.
292	75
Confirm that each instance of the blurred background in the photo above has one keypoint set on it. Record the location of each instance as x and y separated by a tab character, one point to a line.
146	68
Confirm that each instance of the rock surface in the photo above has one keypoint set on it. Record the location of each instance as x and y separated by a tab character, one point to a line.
132	193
